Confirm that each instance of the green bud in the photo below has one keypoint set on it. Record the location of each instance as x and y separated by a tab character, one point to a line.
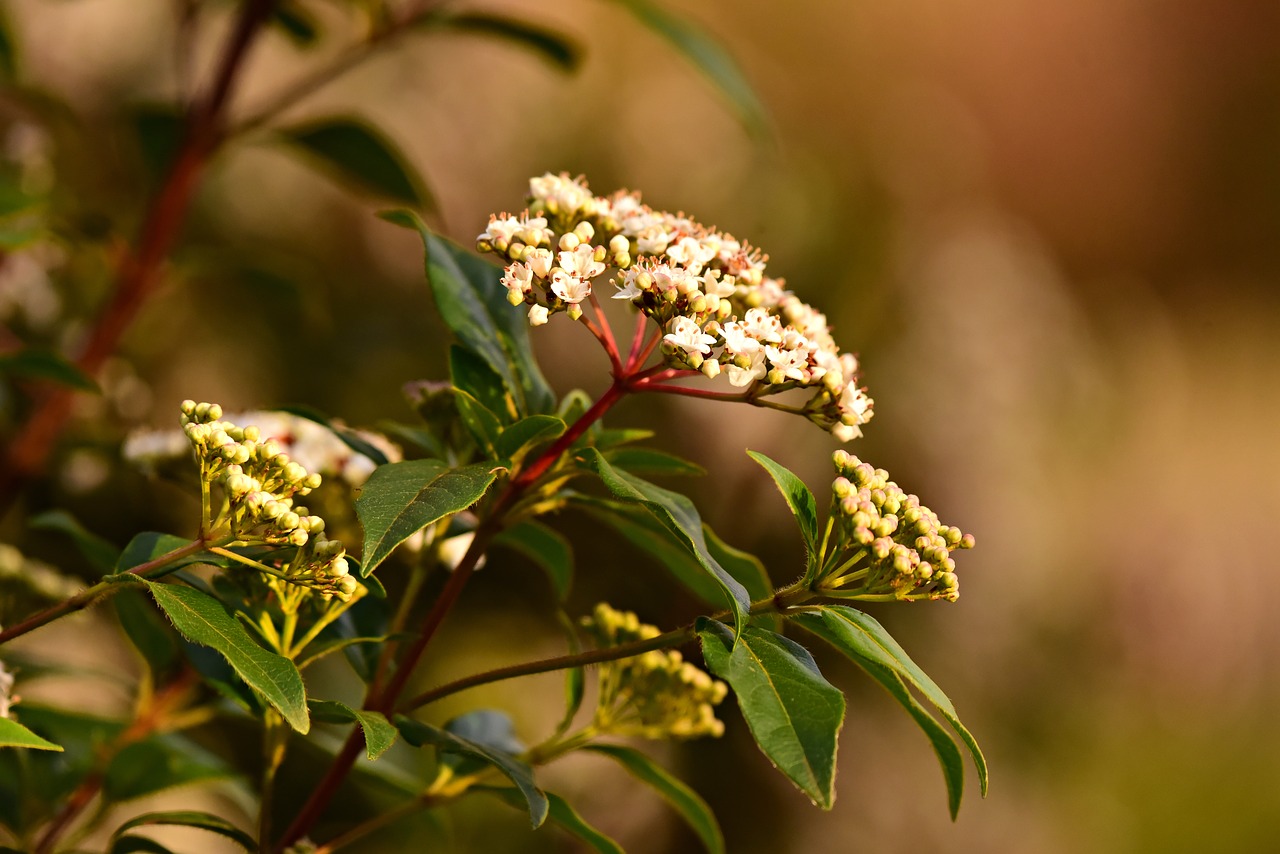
574	311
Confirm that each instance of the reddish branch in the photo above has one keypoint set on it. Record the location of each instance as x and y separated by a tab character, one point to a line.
139	270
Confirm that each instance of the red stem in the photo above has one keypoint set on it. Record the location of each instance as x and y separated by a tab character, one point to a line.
642	323
610	345
139	269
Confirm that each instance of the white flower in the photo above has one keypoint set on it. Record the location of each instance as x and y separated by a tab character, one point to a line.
688	336
628	292
539	261
740	377
792	363
737	340
502	230
6	689
762	326
560	193
714	286
581	262
537	315
652	240
568	287
518	278
845	433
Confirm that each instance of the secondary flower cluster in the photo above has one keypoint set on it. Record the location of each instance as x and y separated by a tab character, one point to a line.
708	292
260	483
652	695
897	548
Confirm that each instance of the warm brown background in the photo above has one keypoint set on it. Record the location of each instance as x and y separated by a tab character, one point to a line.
1049	229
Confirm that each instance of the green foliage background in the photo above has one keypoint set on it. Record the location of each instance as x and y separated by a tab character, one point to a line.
1049	233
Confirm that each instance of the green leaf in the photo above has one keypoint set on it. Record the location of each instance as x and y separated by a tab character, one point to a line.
100	553
379	734
794	713
473	303
317	651
865	641
482	424
149	545
551	45
359	155
401	499
472	374
31	364
743	566
527	434
14	734
799	499
159	763
189	818
647	461
418	734
147	630
134	844
563	815
159	129
692	808
297	24
202	619
708	55
680	518
546	548
613	437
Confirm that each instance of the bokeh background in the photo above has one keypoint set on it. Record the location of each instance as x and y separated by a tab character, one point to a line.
1048	229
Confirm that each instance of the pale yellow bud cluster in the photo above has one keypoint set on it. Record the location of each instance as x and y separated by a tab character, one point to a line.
892	545
656	694
260	483
708	293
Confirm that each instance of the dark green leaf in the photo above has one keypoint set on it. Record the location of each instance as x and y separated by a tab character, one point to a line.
159	129
419	734
563	815
483	425
149	545
190	818
401	499
551	45
362	156
473	303
488	728
100	553
794	714
472	374
349	437
14	734
152	637
575	682
799	499
298	24
202	619
159	763
133	844
367	618
708	55
680	518
692	808
527	434
379	734
743	566
43	365
546	548
865	641
647	461
614	437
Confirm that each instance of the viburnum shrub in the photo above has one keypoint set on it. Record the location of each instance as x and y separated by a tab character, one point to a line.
279	575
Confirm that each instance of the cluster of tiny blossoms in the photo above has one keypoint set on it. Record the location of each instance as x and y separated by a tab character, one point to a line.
260	482
707	291
653	695
897	548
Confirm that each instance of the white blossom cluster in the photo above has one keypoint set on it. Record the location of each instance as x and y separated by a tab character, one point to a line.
260	482
656	694
311	445
709	293
898	547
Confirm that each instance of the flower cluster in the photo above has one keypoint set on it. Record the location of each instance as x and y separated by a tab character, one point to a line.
894	546
655	694
708	292
260	482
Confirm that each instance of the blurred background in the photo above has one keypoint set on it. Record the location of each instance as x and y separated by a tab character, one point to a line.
1049	230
